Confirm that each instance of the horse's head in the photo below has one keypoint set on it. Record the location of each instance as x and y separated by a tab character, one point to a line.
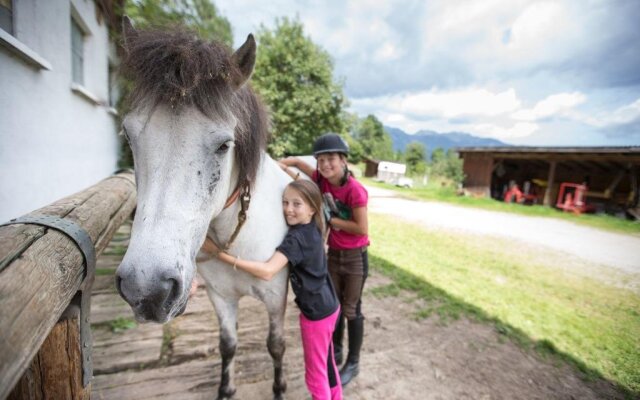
196	132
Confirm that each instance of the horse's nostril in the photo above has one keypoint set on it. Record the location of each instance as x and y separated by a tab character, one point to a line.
174	292
119	286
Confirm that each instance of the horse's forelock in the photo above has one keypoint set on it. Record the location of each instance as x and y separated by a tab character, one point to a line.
179	69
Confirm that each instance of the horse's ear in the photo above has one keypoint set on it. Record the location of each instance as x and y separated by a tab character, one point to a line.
245	59
128	32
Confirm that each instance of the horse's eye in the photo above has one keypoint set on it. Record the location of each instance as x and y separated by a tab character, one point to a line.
224	147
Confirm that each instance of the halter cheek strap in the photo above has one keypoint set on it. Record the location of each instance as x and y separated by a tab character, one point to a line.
245	201
232	198
244	193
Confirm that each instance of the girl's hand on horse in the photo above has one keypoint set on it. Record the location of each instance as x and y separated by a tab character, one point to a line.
210	247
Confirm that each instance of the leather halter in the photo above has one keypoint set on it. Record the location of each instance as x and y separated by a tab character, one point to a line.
245	199
232	198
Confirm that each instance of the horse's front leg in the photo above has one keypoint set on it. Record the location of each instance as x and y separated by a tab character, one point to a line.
276	343
227	310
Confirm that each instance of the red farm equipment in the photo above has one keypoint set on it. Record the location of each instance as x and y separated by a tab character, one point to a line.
572	198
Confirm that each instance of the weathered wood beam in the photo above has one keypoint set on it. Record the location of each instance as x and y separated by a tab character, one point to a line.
547	201
621	158
41	270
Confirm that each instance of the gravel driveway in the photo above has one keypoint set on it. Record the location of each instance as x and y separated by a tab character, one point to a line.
596	246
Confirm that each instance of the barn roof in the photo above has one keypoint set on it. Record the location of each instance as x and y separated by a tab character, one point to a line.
618	154
552	150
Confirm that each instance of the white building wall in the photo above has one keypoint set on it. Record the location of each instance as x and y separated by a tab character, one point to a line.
53	140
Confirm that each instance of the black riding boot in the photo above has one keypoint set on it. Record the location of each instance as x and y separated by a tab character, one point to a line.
351	368
338	334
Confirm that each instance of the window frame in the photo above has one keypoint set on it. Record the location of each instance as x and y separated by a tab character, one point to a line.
11	9
77	50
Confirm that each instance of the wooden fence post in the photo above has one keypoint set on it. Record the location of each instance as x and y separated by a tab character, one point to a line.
41	273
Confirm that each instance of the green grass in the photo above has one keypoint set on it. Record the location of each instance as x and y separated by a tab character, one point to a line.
115	250
121	324
594	326
435	192
105	271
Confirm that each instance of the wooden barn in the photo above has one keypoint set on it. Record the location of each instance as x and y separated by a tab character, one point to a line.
609	175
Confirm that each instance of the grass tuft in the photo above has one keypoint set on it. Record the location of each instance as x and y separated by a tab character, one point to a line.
104	271
115	250
121	324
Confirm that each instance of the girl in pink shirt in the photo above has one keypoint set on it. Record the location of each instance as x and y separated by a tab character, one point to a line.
348	240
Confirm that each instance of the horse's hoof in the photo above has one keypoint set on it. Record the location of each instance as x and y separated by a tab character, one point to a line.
226	394
278	391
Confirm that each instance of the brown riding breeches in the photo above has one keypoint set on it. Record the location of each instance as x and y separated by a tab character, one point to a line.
349	270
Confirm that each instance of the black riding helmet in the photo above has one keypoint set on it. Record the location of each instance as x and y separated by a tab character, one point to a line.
330	143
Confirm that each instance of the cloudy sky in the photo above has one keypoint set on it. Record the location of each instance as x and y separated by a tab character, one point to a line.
525	72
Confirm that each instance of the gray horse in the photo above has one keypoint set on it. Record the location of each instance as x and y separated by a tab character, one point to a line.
198	136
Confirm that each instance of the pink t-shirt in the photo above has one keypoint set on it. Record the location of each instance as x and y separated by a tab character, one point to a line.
347	197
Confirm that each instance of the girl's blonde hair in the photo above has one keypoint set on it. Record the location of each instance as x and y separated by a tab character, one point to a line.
312	196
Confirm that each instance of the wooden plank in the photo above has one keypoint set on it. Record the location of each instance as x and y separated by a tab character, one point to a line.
34	291
108	307
56	371
195	380
43	270
197	336
132	348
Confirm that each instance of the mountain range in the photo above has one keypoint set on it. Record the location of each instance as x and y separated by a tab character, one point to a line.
432	140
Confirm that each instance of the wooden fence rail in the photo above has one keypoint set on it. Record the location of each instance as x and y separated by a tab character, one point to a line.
41	273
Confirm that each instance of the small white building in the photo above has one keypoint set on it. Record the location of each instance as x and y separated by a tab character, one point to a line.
390	172
58	128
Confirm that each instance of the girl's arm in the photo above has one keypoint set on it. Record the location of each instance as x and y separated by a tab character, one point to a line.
358	226
293	174
263	270
298	163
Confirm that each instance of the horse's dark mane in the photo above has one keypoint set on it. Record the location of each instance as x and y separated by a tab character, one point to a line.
178	69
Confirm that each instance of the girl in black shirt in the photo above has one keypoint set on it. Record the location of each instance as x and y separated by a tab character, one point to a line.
303	249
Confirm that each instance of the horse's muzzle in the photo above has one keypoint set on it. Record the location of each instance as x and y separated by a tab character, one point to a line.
157	302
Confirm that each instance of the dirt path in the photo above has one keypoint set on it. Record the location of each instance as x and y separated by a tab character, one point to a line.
402	358
594	246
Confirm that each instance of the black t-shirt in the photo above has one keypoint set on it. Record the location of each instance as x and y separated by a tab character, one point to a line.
309	276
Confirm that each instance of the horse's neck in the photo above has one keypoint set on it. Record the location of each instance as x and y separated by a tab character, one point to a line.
265	225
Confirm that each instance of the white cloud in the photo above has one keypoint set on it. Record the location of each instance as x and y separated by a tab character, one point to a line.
446	104
536	26
620	116
556	104
519	130
387	52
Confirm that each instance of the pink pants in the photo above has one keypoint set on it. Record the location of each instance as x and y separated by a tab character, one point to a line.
321	373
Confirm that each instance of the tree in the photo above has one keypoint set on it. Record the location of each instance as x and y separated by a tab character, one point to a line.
198	15
453	169
438	161
447	165
294	76
416	158
375	141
